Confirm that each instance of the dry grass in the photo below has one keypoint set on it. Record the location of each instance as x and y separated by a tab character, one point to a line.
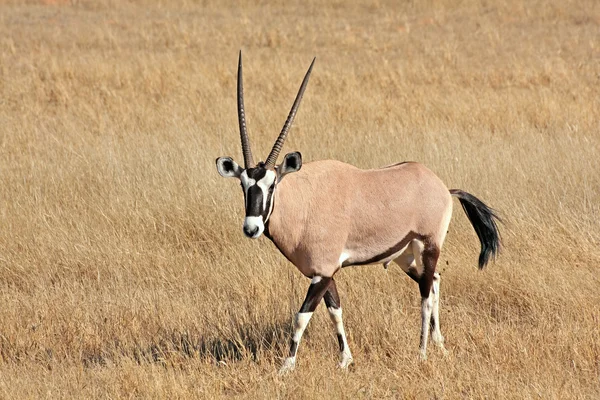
123	267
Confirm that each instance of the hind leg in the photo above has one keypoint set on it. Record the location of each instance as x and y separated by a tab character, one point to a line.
436	333
419	262
426	263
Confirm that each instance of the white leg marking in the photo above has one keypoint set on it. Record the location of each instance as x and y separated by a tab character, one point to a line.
426	309
300	323
315	279
345	356
426	303
436	333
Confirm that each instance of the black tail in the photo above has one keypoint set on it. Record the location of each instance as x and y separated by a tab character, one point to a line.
483	220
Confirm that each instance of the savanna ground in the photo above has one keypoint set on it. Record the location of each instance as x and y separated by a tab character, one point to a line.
123	268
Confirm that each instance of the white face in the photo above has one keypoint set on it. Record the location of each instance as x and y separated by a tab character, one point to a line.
258	185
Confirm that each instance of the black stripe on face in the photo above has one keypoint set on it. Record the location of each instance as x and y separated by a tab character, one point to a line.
256	173
254	201
254	195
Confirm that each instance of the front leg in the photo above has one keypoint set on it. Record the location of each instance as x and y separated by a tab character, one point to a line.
332	301
316	290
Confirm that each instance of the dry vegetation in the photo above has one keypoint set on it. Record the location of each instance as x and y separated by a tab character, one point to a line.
123	268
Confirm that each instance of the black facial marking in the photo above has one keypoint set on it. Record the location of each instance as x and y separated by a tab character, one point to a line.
254	195
269	200
256	173
254	201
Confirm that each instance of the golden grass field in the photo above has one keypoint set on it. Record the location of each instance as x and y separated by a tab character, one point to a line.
124	272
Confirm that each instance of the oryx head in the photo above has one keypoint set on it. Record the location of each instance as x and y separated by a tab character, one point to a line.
259	181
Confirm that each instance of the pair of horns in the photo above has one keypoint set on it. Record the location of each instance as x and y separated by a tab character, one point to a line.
270	163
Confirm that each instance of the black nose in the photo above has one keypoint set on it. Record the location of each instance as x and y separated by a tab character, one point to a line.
250	232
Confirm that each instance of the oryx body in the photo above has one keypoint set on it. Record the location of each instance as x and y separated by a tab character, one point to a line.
348	216
326	215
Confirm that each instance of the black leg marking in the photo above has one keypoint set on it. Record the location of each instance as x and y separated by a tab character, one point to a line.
332	301
392	250
340	341
316	291
293	348
430	256
332	298
412	274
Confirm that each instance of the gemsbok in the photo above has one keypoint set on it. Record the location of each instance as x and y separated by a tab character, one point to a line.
327	215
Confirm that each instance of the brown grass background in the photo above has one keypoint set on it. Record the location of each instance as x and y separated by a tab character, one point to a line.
123	268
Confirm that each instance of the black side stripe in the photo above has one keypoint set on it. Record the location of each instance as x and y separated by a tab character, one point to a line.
389	252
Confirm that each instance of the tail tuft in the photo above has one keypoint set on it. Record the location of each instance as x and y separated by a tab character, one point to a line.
484	221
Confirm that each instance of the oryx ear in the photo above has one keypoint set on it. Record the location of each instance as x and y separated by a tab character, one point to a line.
292	162
228	168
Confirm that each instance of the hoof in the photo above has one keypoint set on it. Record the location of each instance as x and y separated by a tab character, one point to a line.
440	344
288	366
345	362
445	352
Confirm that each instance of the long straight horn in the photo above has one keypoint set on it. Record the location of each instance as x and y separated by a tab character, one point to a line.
248	161
270	163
